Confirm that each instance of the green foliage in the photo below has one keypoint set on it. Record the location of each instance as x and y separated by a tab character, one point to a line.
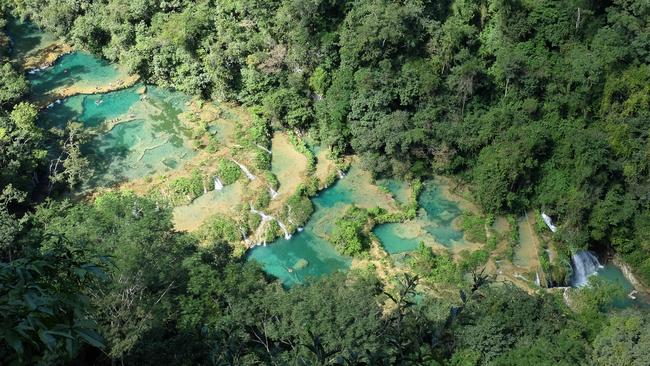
532	103
319	81
71	168
228	172
349	236
185	189
220	229
512	237
298	210
623	341
472	261
491	243
262	160
271	179
435	268
594	300
45	308
262	199
145	250
474	227
506	326
13	85
302	147
22	146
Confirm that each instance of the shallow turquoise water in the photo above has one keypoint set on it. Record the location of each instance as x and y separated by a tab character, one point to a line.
440	214
92	110
613	274
77	68
392	241
397	188
26	38
436	219
150	140
310	244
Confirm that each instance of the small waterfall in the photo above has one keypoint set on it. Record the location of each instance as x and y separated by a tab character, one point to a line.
243	235
266	218
244	169
265	149
584	264
537	280
287	236
549	222
273	192
217	184
341	173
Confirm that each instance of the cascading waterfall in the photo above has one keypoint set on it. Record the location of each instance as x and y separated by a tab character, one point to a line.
341	173
265	149
266	218
218	185
549	222
584	264
273	192
287	236
244	169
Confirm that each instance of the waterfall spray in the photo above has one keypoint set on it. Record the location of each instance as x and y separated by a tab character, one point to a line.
584	265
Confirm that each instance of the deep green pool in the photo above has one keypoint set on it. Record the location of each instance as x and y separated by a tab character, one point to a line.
612	274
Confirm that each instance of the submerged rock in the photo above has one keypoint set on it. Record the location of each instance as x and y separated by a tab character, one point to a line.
300	264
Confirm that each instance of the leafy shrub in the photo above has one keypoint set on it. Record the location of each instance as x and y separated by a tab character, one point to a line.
186	189
262	199
349	237
474	227
302	147
298	209
271	179
473	260
262	160
228	172
220	229
436	268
